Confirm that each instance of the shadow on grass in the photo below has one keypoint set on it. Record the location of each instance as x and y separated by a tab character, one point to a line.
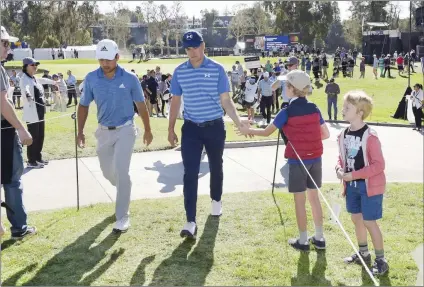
80	257
139	276
6	244
317	277
11	281
319	85
384	280
182	270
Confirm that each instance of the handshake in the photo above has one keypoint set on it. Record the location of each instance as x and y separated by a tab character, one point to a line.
243	129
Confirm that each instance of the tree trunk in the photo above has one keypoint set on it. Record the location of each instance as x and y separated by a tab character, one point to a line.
148	34
176	43
168	52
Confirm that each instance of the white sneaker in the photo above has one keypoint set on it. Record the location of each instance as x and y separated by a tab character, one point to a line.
189	230
216	208
122	225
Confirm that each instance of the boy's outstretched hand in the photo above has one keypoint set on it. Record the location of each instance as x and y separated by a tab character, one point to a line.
244	129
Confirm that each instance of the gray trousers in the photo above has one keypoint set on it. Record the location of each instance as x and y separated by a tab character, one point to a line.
114	149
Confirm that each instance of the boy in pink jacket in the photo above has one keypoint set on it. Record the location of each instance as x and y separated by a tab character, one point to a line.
361	167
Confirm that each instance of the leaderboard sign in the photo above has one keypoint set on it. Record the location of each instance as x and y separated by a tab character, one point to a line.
272	42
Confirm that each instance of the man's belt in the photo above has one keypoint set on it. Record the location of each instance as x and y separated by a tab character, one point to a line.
128	123
207	123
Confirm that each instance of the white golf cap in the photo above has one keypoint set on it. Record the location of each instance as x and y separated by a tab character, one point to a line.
6	36
298	79
266	75
106	50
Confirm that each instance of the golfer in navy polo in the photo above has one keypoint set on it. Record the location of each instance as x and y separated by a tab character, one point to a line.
114	90
205	87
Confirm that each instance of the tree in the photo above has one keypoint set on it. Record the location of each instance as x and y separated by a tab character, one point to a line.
62	20
177	15
239	25
226	11
322	15
149	10
50	42
165	25
208	18
310	18
352	30
335	37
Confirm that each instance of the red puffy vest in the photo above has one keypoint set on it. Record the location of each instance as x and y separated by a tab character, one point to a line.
303	130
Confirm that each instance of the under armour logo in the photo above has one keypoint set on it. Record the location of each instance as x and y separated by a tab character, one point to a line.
189	36
207	75
104	49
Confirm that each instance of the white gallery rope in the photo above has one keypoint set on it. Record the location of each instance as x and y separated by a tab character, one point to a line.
65	115
337	220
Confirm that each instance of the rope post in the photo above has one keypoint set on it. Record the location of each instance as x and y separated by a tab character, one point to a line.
74	117
276	159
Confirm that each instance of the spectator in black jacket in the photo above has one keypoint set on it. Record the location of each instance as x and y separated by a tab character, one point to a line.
332	90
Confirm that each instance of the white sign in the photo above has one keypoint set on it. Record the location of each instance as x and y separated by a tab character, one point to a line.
252	62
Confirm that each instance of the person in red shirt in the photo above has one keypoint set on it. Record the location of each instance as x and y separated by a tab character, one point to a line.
399	62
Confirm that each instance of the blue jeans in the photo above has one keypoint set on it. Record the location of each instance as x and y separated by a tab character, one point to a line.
13	192
212	136
332	101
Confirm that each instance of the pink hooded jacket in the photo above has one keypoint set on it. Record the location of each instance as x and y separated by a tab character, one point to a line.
373	172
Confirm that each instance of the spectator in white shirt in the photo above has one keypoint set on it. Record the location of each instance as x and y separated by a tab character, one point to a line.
63	89
72	93
417	98
249	98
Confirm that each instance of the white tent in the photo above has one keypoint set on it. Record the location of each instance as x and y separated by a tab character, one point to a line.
44	54
239	48
84	52
19	54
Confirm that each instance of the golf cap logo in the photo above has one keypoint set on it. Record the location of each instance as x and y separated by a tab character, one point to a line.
104	49
189	36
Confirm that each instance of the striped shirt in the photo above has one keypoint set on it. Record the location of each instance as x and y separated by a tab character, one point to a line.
266	87
201	88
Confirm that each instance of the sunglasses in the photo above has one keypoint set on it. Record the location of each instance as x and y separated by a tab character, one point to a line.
5	43
33	65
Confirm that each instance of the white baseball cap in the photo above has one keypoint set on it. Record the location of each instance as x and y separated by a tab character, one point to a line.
266	75
298	79
7	37
106	50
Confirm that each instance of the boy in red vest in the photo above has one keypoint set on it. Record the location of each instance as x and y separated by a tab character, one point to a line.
302	123
361	166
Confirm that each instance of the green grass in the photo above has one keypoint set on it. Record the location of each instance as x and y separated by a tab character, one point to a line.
385	92
247	246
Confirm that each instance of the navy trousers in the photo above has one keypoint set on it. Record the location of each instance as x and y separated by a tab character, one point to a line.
194	137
